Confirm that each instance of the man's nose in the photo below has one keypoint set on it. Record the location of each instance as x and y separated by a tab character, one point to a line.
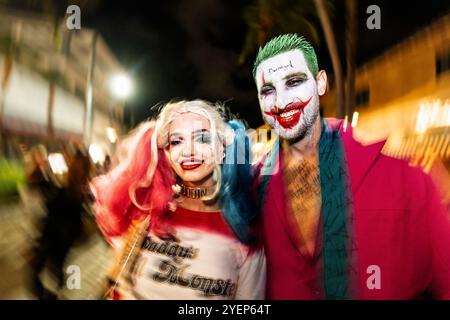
282	99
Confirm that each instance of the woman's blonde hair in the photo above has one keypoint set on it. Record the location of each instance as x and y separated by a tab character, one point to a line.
221	136
140	183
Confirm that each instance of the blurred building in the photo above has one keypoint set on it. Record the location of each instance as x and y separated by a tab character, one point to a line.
404	95
50	77
391	88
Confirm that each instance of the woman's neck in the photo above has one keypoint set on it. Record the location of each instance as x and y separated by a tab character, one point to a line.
198	204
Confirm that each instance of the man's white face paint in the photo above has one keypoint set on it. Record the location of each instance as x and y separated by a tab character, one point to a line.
288	95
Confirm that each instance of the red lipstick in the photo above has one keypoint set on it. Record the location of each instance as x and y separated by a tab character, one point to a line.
289	116
190	164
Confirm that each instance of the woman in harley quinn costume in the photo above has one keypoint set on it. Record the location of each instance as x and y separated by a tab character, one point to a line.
176	206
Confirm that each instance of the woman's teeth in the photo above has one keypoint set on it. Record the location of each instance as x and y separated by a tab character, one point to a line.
191	163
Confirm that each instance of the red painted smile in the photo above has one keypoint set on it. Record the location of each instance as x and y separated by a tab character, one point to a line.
289	116
191	164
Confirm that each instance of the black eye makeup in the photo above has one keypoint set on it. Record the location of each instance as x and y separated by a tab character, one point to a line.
174	142
202	137
175	139
266	89
295	81
198	136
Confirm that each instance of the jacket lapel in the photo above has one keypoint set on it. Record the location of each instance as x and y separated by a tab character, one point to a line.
359	158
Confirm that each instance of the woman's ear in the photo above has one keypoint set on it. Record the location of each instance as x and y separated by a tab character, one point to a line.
321	79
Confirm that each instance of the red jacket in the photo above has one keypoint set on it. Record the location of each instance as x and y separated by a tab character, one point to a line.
402	232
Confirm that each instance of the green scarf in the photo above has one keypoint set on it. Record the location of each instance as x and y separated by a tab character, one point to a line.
336	209
336	213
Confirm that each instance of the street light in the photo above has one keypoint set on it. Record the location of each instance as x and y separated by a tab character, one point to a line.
121	86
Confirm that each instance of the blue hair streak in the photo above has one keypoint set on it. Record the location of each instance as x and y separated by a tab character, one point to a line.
235	191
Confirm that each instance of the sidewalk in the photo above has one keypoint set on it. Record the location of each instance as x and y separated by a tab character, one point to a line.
17	234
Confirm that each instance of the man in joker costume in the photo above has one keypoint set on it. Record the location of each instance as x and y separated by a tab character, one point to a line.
340	220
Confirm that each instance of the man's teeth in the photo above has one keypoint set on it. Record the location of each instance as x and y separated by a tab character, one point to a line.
289	113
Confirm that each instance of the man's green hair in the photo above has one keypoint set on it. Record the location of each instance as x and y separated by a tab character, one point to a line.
284	43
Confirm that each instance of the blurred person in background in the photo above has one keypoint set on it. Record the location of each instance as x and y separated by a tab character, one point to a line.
176	205
41	184
106	164
37	169
340	220
62	225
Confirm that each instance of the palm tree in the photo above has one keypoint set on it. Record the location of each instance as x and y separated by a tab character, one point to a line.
351	34
268	18
334	54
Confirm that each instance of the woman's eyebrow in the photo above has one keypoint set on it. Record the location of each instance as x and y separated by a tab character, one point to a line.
175	134
200	131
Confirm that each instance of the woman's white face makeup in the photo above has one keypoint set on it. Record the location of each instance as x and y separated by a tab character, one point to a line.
190	150
288	96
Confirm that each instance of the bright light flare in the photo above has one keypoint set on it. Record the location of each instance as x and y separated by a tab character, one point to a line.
355	119
96	153
121	86
57	163
112	134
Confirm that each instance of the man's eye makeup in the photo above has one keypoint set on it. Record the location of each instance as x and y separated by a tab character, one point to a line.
295	81
265	90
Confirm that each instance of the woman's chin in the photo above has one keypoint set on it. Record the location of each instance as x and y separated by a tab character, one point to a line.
194	178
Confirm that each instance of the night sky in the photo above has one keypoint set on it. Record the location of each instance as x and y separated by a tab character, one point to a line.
189	48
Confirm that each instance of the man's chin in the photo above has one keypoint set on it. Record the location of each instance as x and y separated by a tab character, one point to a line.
295	133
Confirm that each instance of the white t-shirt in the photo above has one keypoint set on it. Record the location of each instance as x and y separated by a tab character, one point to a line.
204	261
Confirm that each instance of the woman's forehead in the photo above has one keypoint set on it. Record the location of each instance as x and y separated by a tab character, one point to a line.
189	122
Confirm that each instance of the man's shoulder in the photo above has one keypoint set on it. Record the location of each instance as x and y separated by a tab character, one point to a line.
398	172
375	157
410	173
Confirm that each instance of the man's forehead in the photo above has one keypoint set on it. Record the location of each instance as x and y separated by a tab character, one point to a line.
282	64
